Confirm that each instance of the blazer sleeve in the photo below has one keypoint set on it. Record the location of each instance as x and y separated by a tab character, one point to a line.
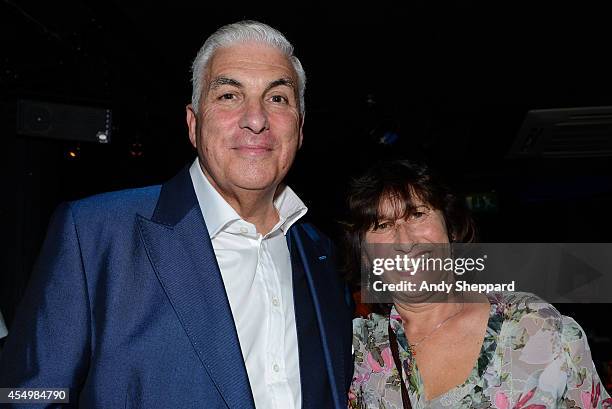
49	341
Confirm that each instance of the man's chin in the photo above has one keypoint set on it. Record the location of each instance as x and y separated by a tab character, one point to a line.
256	178
256	184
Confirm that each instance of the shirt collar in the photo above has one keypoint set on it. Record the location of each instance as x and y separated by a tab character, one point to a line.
218	214
290	208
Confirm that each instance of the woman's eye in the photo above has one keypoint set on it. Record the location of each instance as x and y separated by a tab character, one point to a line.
383	226
420	213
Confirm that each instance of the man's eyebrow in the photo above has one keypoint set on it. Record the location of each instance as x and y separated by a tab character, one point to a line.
282	81
219	81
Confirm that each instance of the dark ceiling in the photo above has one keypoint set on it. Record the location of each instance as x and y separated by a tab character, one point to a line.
454	80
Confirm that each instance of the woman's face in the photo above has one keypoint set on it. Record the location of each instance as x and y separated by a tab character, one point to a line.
419	237
423	225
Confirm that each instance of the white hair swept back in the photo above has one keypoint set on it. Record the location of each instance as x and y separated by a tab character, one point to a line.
243	31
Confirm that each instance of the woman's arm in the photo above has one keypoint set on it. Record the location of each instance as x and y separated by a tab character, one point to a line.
584	387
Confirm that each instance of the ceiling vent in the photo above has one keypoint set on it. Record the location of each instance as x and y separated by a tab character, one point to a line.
565	133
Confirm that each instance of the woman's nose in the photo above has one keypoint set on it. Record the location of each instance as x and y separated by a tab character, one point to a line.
406	234
405	237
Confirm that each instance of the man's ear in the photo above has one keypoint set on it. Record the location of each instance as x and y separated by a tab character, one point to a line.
192	124
301	132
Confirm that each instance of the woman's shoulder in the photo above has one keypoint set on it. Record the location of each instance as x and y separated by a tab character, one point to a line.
526	320
519	306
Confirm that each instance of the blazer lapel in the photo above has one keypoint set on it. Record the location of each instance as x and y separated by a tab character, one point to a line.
316	391
180	250
328	306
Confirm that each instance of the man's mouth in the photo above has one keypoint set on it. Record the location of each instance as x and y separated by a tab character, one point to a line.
253	150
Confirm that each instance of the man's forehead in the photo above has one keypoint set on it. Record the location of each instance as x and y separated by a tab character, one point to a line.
221	80
242	58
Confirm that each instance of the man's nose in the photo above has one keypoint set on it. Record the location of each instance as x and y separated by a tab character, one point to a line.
254	117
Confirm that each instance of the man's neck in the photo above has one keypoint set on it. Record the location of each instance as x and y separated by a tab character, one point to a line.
253	206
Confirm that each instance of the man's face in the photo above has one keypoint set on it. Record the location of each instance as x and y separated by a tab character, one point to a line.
248	128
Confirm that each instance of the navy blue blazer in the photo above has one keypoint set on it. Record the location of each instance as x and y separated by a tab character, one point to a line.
127	308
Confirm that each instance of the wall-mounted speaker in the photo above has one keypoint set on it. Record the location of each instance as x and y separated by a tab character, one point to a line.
62	121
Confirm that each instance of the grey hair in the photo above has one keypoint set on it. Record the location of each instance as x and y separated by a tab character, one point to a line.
243	31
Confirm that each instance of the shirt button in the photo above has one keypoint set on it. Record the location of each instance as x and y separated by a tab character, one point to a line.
275	302
276	368
244	230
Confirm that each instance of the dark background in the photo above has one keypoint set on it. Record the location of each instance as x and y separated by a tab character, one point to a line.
453	81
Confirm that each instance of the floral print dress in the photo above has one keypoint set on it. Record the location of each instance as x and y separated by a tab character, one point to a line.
532	357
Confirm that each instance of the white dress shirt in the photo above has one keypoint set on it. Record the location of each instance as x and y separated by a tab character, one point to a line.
256	272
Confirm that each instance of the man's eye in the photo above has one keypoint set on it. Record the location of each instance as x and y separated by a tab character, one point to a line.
278	99
227	96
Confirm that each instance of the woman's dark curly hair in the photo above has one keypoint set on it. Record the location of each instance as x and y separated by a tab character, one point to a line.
401	182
